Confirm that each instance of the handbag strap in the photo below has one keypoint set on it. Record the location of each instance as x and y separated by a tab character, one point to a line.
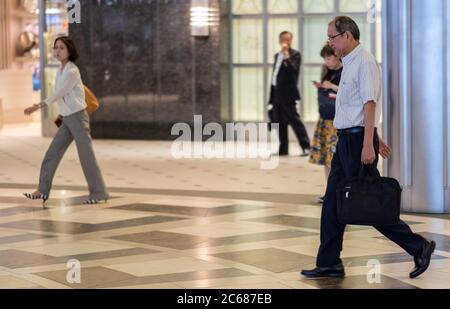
369	170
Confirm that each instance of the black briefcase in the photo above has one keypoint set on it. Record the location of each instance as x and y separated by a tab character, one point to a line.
369	199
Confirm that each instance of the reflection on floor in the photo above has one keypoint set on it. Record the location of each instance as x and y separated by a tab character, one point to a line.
185	224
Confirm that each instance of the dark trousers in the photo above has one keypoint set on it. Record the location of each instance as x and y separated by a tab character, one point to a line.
287	115
347	163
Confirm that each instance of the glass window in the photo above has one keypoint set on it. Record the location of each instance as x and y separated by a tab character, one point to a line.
248	97
247	41
283	6
379	38
315	36
318	6
241	7
366	31
256	36
276	26
310	100
359	5
354	5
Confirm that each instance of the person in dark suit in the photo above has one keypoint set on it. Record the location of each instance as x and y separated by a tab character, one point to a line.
284	96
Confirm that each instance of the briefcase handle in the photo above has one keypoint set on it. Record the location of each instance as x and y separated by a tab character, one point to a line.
369	170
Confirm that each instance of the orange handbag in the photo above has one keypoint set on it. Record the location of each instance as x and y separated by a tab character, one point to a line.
91	100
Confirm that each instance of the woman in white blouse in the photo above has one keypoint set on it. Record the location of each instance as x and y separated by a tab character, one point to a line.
69	94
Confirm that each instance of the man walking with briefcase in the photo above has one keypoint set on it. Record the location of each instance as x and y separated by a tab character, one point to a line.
358	112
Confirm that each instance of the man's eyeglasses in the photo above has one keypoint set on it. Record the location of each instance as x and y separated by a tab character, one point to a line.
331	38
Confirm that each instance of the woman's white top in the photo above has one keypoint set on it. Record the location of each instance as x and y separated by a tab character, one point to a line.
69	91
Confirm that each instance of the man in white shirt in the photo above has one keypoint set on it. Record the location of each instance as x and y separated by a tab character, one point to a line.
358	111
284	95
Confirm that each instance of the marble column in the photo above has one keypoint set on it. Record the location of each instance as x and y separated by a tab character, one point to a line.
417	111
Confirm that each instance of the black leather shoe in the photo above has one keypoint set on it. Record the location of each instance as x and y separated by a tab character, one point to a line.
305	153
423	260
325	272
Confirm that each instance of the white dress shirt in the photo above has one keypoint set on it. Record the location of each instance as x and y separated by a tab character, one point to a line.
69	91
361	82
277	68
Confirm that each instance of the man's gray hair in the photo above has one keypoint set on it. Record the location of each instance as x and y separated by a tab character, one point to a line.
345	23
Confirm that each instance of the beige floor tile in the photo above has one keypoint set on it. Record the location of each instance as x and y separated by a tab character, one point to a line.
167	266
211	283
158	286
5	205
94	216
226	229
257	286
298	285
191	202
5	233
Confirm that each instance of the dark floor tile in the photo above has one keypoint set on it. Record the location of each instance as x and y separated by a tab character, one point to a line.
274	260
240	239
20	259
390	258
91	277
186	241
135	222
359	282
82	228
14	199
190	211
164	239
111	254
191	276
18	210
51	226
304	222
21	238
101	277
442	241
441	216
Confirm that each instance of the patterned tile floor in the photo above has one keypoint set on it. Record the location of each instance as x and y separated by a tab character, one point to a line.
185	224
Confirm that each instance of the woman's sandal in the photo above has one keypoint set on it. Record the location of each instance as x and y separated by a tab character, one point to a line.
34	196
94	202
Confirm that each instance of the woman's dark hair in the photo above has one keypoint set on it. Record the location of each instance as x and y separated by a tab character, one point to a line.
326	51
71	48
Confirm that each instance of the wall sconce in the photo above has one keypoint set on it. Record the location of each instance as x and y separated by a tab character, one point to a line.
200	17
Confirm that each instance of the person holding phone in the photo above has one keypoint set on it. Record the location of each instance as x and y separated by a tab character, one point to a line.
284	96
325	138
